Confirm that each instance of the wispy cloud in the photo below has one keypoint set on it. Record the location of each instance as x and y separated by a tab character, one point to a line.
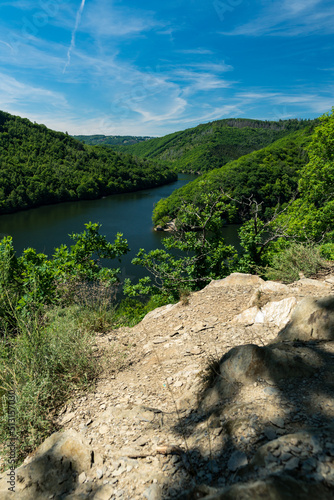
74	32
105	20
318	102
195	51
198	81
290	18
6	44
14	92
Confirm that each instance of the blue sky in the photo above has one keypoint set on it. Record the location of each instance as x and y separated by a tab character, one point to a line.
151	68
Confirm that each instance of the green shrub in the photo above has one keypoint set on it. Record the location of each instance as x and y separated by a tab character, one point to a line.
131	311
287	265
43	364
327	251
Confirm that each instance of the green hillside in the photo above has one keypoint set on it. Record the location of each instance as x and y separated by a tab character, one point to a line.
39	166
213	144
110	140
270	174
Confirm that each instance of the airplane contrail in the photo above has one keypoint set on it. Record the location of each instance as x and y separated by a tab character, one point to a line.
72	45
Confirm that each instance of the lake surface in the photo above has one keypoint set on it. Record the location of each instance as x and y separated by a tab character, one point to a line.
46	228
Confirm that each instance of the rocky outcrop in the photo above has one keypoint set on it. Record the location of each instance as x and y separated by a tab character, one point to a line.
169	227
313	319
230	396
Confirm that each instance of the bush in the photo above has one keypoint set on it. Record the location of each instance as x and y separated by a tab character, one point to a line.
131	310
287	265
43	364
327	251
49	310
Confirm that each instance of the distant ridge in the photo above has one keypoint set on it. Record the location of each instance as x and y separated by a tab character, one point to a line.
212	145
111	140
270	174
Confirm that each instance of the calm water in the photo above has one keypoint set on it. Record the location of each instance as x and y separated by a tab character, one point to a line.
47	227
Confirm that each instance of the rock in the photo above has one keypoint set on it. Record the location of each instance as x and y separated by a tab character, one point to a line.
53	466
102	493
150	435
275	313
65	446
67	418
315	283
273	286
292	464
278	421
237	279
159	340
153	492
312	319
248	316
245	364
274	488
99	473
270	433
82	477
158	312
103	429
238	459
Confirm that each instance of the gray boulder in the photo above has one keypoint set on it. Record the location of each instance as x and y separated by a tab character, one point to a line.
312	319
54	467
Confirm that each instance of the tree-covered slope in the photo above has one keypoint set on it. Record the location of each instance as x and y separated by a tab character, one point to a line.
212	145
110	140
270	175
39	166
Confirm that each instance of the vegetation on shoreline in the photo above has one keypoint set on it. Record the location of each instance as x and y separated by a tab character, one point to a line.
270	174
39	167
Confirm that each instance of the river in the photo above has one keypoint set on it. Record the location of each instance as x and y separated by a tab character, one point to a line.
47	227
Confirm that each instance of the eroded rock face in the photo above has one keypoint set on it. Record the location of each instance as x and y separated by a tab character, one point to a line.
313	319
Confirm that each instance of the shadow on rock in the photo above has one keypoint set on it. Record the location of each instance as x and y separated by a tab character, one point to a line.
264	428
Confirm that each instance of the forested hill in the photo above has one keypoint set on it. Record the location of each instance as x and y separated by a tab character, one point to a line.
214	144
270	175
39	166
111	140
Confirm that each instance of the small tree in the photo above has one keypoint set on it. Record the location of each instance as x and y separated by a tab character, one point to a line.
202	256
33	280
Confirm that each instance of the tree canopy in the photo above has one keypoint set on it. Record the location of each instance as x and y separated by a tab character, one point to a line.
212	145
39	166
271	174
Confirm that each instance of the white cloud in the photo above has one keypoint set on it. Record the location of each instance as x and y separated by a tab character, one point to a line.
287	104
103	19
13	91
199	81
290	18
196	51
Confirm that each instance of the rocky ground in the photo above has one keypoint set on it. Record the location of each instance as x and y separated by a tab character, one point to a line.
226	395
